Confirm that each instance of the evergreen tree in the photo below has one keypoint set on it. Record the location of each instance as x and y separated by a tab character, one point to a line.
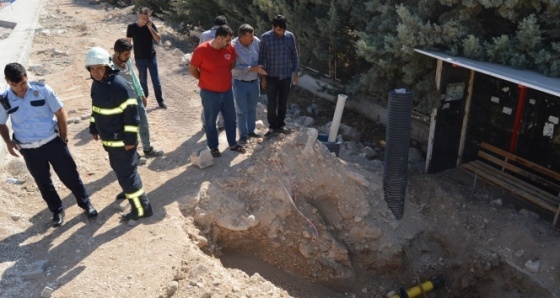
372	42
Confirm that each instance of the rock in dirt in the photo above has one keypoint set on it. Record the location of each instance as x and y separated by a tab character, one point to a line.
177	53
172	288
186	59
237	223
202	158
36	271
15	181
369	152
497	203
533	265
46	293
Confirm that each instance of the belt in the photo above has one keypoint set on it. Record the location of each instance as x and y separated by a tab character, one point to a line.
246	81
37	144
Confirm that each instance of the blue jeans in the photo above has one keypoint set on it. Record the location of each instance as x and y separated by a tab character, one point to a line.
213	103
39	161
220	119
277	92
246	95
145	65
143	127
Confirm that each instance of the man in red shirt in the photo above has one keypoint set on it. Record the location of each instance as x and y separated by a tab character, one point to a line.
211	65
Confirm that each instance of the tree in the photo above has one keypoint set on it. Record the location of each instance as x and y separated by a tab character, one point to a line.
372	42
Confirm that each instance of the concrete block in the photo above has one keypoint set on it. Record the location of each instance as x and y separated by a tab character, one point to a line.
202	158
46	293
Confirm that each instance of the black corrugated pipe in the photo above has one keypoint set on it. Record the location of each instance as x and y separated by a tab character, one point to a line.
396	149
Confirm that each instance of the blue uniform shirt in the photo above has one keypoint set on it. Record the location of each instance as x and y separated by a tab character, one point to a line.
33	115
208	35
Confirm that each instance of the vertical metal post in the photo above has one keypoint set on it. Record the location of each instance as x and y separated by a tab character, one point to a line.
518	116
465	120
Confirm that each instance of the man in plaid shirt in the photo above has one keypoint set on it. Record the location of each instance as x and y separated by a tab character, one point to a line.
279	57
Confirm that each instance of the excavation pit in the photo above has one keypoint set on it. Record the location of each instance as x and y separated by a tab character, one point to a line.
324	220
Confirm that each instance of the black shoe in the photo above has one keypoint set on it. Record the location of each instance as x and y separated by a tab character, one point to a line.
215	152
58	219
254	135
90	212
132	215
153	152
120	196
162	105
271	132
242	141
285	130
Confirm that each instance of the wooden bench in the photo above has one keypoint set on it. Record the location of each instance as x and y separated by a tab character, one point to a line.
525	179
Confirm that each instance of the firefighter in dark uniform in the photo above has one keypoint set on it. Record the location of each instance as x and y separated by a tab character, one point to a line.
40	138
115	121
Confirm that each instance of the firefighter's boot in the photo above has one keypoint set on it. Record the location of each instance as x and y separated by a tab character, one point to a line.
140	208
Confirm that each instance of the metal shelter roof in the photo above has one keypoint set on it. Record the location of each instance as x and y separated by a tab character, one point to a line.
528	78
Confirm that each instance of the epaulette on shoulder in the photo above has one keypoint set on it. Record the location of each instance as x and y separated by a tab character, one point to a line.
4	100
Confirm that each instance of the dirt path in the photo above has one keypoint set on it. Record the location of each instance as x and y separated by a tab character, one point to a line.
106	257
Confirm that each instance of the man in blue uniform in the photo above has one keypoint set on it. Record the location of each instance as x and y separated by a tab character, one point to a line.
115	120
41	139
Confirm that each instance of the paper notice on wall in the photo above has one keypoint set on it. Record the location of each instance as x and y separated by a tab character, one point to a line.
507	110
548	130
495	99
553	119
532	101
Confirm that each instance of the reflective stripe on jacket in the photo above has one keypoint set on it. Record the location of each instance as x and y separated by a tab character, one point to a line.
114	114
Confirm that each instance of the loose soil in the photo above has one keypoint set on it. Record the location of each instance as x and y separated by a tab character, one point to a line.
274	222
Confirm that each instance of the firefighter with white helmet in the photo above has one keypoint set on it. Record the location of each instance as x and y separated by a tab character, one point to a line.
115	120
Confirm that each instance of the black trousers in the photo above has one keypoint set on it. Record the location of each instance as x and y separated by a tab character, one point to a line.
56	154
125	165
277	92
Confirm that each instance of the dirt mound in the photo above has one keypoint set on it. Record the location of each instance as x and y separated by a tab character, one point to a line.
295	205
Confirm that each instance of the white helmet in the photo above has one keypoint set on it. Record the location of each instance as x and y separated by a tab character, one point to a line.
98	56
